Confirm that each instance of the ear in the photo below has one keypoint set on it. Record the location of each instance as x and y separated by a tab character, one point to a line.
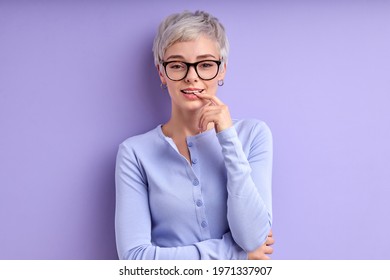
222	71
161	75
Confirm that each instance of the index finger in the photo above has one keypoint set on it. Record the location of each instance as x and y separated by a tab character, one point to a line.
215	100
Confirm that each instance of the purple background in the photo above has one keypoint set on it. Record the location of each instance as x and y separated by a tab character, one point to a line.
77	78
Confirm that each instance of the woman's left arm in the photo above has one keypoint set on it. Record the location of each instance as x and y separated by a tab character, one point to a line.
249	178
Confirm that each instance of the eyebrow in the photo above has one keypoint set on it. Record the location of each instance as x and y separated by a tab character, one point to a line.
198	57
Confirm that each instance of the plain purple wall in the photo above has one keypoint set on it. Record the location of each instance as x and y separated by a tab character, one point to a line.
77	78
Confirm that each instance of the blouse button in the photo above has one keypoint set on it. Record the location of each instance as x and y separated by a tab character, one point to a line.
194	161
203	224
189	144
195	182
199	203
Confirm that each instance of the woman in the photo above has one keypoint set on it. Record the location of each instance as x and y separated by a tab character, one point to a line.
198	186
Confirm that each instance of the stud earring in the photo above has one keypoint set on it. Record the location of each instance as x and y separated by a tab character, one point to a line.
221	83
163	86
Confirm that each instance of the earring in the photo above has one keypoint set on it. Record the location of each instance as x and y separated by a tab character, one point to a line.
163	86
221	83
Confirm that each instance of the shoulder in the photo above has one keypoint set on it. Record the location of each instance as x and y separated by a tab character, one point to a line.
141	142
251	127
254	134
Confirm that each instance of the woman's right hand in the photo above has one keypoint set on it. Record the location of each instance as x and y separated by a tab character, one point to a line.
263	252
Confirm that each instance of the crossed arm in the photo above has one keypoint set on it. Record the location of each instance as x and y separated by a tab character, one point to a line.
242	242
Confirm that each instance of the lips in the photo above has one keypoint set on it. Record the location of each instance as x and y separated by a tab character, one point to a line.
194	91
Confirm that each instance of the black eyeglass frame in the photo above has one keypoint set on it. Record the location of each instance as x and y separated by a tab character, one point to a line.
165	63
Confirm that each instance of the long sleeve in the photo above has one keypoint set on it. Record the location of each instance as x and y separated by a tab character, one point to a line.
249	184
133	221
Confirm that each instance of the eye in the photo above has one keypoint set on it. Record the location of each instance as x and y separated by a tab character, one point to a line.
207	64
176	66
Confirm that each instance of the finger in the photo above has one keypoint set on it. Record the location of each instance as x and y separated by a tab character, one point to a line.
208	117
215	100
258	256
220	110
215	112
264	257
270	241
261	256
268	250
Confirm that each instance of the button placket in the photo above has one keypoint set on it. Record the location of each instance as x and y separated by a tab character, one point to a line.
195	182
199	205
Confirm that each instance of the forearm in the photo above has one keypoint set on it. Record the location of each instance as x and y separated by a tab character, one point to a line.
151	252
212	249
248	186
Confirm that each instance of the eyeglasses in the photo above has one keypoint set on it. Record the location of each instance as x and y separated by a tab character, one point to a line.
178	70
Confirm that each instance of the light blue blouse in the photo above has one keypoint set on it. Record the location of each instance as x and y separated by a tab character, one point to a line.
216	207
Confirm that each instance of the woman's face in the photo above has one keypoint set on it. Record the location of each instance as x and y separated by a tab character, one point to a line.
201	49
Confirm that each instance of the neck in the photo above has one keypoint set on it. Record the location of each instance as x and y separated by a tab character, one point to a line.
183	124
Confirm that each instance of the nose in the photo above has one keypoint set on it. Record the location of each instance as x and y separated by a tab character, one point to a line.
191	75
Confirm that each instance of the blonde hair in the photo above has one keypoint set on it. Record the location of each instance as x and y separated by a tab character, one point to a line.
188	26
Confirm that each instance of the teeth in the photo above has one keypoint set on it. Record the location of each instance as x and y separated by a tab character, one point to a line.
192	91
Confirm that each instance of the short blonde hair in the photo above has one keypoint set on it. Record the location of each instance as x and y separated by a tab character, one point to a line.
188	26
